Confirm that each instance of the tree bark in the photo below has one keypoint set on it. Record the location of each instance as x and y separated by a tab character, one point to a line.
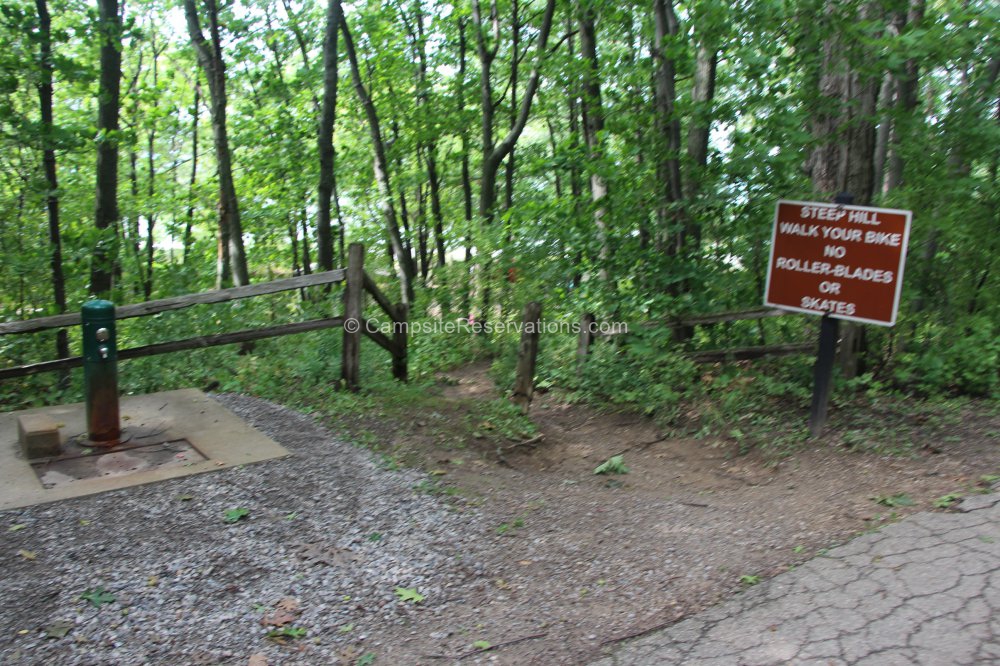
189	223
210	57
106	210
51	175
843	128
407	270
324	237
702	95
494	153
907	99
593	126
670	236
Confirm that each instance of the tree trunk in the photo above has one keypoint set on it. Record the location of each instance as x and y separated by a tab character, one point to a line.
210	57
907	99
189	223
407	270
844	130
494	153
670	236
147	285
51	176
106	211
324	237
593	126
702	95
515	55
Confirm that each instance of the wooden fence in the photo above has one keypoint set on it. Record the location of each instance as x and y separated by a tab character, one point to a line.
357	283
588	334
528	347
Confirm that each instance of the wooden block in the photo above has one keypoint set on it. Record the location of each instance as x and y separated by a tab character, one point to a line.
38	435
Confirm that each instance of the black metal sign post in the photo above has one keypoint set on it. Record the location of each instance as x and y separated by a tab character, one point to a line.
829	336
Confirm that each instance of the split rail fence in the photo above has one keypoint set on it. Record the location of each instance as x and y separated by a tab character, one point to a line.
357	283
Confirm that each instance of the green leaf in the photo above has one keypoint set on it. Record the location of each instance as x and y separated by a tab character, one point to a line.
235	515
16	528
613	465
482	645
287	632
409	594
366	659
98	597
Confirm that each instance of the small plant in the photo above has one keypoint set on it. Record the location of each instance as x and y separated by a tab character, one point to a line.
409	594
482	645
289	631
235	515
613	465
899	499
98	597
375	537
946	501
749	579
367	659
515	524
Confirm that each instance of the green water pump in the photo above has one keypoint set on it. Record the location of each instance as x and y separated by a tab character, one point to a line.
100	372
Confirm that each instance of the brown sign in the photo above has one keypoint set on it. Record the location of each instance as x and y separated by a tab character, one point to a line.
845	261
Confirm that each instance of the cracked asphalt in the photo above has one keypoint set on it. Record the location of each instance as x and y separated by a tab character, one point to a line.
925	590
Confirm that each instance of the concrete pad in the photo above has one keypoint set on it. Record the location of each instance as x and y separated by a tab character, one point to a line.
221	438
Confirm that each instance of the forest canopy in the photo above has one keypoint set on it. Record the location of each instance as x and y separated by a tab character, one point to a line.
619	158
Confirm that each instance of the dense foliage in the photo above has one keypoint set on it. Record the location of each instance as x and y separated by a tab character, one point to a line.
637	150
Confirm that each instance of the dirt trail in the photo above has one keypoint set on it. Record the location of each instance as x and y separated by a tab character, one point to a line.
577	561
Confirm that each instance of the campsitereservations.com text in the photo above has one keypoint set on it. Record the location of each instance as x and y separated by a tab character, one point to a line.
465	325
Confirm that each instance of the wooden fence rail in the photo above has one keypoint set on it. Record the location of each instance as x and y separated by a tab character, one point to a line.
357	283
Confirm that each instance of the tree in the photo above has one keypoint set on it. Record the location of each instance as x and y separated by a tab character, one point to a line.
324	238
232	264
49	167
407	269
106	213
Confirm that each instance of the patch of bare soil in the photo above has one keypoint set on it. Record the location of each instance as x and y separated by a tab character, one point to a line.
577	561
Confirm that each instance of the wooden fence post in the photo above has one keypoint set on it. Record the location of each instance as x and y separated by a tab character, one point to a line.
350	367
527	354
584	341
399	336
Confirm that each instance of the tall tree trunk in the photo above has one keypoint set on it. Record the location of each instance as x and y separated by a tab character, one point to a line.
494	153
51	176
407	270
907	99
702	95
593	126
106	210
515	57
189	222
210	57
843	128
147	285
324	237
670	236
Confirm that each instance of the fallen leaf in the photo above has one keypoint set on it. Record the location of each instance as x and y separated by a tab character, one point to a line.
289	604
482	645
16	528
278	618
438	472
153	581
409	594
524	563
59	628
27	554
84	522
259	659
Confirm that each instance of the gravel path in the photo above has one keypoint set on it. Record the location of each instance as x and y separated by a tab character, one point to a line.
327	531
